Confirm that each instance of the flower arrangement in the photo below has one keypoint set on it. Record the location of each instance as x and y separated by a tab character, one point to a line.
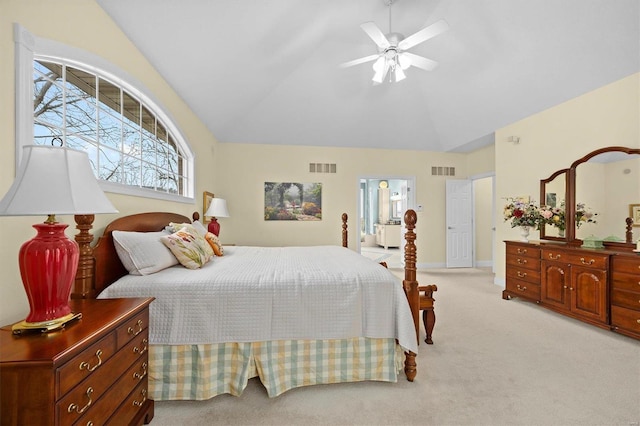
584	215
556	215
521	212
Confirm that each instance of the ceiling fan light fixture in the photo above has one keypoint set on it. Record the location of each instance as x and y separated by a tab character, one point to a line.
399	74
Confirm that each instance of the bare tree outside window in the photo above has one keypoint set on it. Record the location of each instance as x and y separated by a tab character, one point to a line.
125	140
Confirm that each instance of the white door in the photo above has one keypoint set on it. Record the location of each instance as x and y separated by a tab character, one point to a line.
459	212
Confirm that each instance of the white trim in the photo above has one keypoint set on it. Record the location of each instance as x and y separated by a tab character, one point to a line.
24	46
30	47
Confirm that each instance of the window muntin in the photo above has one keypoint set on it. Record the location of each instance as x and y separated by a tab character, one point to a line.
126	142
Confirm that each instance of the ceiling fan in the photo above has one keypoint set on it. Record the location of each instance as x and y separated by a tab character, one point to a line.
392	53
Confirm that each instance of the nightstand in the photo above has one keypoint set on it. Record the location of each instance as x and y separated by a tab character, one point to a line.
93	371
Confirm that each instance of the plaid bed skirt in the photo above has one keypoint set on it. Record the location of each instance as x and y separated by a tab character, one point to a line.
198	372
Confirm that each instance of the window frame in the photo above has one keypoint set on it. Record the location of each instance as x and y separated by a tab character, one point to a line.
29	48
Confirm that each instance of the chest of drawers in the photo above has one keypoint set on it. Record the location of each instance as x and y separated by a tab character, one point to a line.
523	271
600	287
625	295
94	371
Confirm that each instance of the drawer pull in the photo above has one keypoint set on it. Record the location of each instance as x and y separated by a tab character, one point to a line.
86	365
76	408
143	350
521	288
522	251
521	275
522	261
584	262
638	321
144	398
556	257
135	333
140	376
89	423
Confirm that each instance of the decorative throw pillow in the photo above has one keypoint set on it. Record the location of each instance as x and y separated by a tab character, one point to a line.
215	244
191	250
143	253
190	228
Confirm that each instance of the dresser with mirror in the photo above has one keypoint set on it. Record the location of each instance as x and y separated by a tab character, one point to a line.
588	270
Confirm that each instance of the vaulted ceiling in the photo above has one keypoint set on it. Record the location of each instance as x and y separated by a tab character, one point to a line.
267	71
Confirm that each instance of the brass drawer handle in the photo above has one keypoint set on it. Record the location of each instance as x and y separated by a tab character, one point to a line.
86	365
76	408
638	321
144	398
522	251
143	350
521	288
522	261
556	257
89	423
135	333
521	275
591	262
140	376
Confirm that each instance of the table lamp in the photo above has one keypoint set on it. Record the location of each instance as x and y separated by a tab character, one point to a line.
217	208
51	180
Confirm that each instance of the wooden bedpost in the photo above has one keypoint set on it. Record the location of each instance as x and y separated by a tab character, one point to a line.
410	285
83	286
345	233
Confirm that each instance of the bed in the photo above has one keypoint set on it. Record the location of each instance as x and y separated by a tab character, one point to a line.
292	316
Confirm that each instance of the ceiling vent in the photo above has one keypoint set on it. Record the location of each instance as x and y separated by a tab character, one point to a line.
322	167
443	171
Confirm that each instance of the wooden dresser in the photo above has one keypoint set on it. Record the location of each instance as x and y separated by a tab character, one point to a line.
94	371
600	287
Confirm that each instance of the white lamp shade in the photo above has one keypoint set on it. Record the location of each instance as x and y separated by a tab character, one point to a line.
54	180
217	208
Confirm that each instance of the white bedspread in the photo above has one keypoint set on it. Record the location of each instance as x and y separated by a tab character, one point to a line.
274	293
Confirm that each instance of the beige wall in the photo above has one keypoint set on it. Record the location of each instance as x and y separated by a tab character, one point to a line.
81	24
554	138
483	221
243	169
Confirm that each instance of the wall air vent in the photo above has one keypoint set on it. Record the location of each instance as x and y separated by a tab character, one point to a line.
322	168
443	171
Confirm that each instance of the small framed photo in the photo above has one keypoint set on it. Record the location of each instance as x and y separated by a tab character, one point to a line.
206	200
634	213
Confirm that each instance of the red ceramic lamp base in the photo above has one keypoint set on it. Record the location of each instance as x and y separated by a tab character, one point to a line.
214	227
48	265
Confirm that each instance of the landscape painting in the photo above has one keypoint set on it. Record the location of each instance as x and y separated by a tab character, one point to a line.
292	201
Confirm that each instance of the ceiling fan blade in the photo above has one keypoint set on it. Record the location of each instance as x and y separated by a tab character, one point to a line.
375	34
359	61
421	62
424	34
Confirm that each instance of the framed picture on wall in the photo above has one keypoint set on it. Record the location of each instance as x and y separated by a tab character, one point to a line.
292	201
634	213
206	200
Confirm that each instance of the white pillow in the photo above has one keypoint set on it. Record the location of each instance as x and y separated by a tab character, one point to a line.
143	253
200	227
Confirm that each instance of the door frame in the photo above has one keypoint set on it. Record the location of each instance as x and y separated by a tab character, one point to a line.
411	198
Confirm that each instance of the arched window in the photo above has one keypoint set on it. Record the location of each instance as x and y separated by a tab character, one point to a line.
133	146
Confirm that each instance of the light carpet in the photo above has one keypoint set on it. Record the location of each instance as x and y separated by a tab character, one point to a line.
494	362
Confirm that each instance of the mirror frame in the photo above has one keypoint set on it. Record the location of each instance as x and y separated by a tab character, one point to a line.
570	212
543	196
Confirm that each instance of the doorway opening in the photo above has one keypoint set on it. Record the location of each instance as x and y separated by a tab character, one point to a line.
381	207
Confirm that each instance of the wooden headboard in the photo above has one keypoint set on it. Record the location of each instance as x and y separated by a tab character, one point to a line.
100	266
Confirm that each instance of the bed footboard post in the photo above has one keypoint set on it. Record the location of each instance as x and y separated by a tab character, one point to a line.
83	286
410	284
345	233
